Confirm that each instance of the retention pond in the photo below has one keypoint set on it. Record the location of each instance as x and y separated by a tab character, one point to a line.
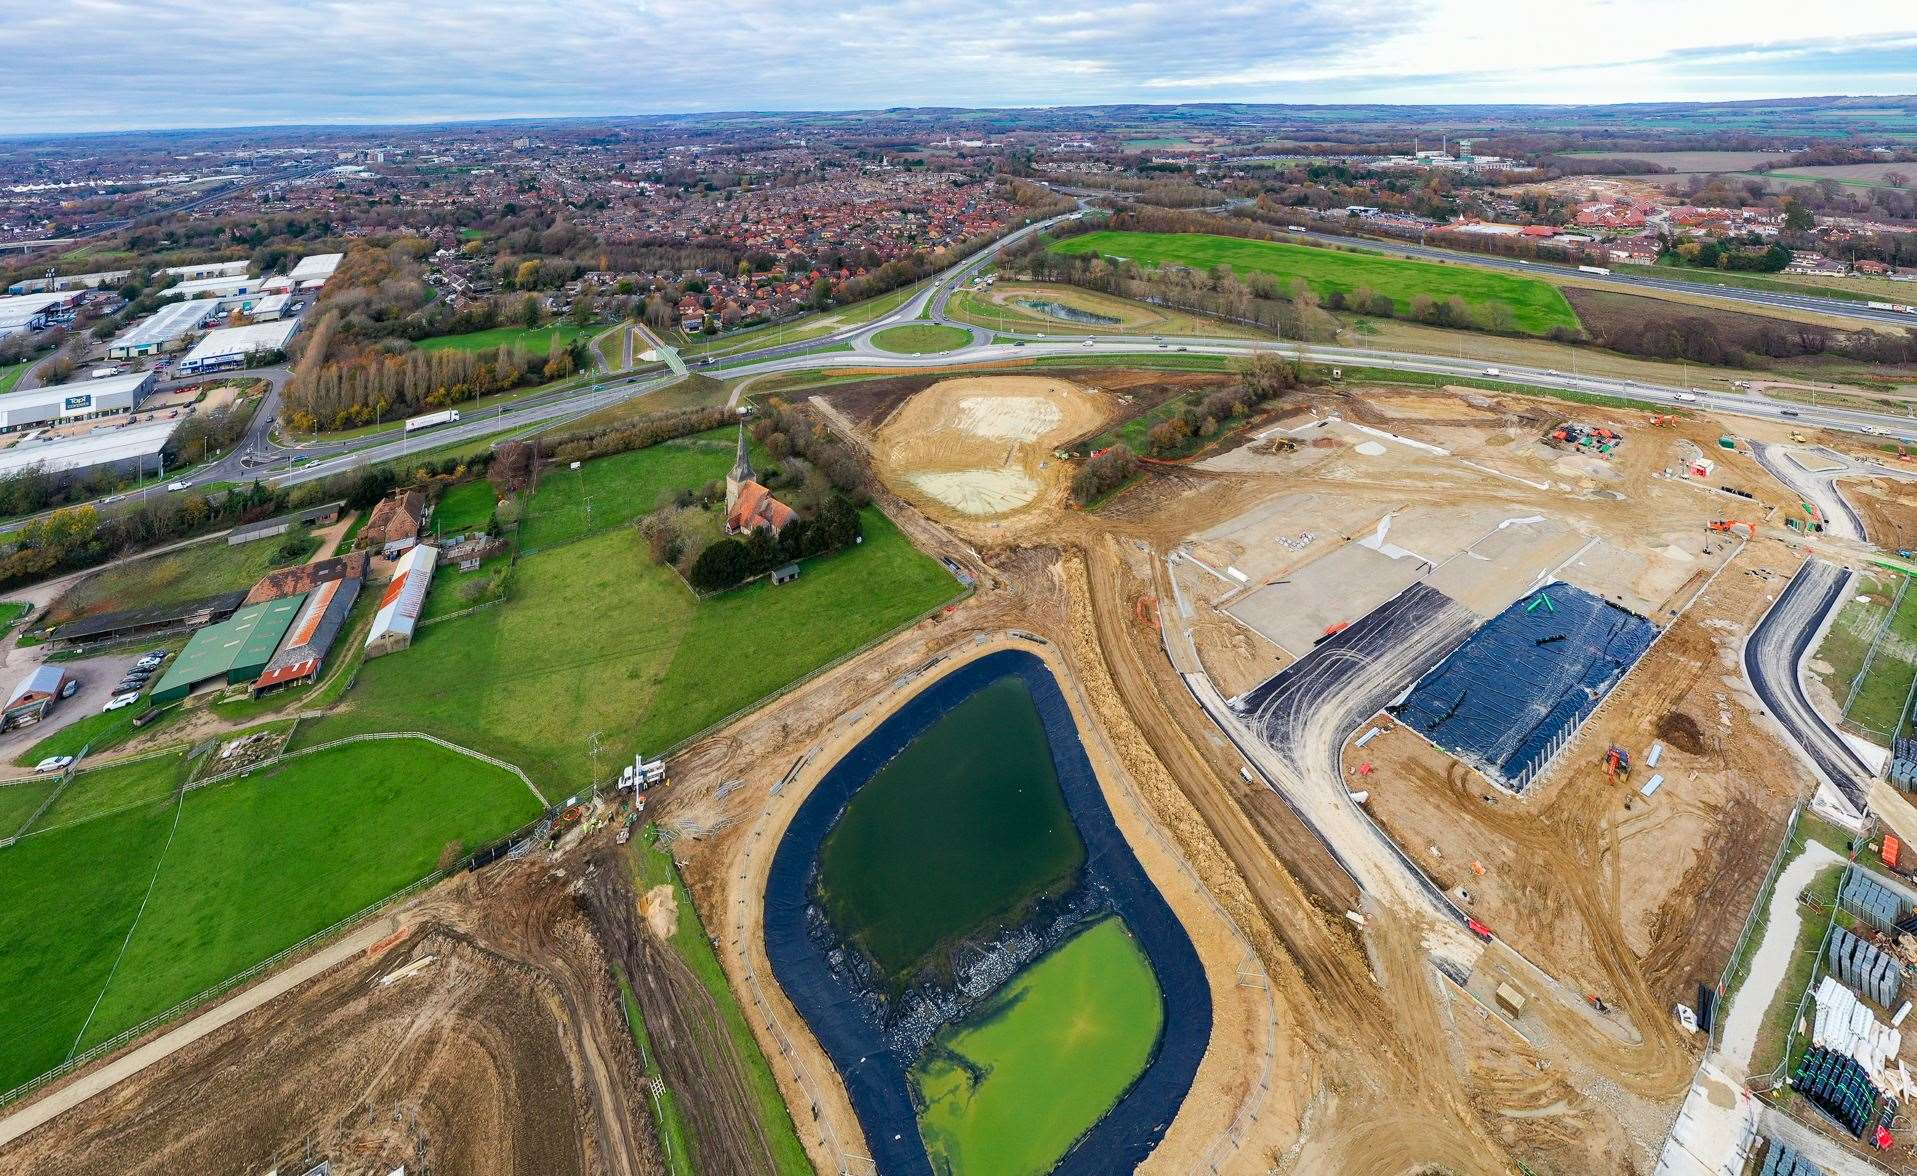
966	932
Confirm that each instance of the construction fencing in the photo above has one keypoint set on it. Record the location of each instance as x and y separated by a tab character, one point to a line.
1752	921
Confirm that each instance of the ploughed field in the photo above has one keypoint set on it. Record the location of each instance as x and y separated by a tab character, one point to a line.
1536	306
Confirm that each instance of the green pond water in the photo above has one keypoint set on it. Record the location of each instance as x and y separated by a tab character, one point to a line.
959	835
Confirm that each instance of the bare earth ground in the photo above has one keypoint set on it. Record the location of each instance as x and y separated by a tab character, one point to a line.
503	1051
981	446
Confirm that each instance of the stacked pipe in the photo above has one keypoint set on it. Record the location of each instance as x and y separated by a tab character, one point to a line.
1838	1086
1846	1027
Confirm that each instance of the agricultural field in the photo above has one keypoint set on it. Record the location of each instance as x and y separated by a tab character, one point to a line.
1691	162
203	569
123	912
1536	307
920	339
609	491
20	799
536	340
1013	1087
598	647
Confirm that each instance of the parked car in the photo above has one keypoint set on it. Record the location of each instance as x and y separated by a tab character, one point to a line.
120	700
71	688
53	763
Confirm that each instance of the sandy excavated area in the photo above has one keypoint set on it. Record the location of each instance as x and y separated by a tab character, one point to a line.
982	446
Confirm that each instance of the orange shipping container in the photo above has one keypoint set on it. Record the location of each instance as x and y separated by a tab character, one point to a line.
1891	851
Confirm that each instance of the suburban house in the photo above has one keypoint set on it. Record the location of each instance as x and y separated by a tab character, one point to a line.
395	523
306	577
750	506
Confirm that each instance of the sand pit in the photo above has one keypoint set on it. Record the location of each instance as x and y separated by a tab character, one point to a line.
982	446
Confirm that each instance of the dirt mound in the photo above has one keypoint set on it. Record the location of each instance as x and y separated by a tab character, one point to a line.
1682	732
660	907
981	446
1326	443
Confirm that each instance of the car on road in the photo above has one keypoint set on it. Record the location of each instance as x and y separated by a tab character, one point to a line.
1550	371
1018	343
121	700
1686	397
1873	431
1491	371
53	763
112	498
1786	412
1088	342
1183	349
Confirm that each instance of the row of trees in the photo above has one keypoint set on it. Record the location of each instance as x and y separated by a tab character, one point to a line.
366	386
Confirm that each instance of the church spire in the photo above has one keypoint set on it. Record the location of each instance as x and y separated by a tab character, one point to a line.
742	468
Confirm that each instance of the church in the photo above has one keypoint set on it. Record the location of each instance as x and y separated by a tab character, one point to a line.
750	506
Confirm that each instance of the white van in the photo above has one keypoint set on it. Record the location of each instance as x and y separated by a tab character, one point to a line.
181	485
1687	397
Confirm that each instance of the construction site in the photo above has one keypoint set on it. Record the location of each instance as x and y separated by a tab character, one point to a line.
1424	709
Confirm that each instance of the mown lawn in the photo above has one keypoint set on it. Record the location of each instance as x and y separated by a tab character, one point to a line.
466	507
595	644
921	338
21	798
1012	1087
1536	307
104	790
10	374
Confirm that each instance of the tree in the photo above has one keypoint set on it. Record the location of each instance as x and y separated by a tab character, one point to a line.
1797	218
511	468
720	566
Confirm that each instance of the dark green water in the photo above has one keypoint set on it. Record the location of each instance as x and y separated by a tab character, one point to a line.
959	835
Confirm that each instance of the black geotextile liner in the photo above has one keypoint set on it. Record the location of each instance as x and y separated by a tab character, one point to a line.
1527	677
874	1078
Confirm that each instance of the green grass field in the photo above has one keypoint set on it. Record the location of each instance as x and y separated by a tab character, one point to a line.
19	800
111	789
1878	704
144	907
921	339
1009	1090
653	866
1536	307
10	374
596	641
204	569
10	613
610	491
466	507
536	340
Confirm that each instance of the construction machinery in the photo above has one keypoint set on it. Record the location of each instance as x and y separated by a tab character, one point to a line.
1799	437
1617	764
1663	420
1735	527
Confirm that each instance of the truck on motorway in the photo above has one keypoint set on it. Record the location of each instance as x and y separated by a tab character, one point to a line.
1899	307
431	420
1595	269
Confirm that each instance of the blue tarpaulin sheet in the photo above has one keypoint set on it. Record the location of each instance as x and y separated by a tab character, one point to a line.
1528	676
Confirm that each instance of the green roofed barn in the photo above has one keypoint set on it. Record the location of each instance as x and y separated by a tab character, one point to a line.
235	650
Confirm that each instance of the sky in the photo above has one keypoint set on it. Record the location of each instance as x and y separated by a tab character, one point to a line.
93	65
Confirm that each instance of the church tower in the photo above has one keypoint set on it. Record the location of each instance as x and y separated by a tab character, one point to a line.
741	473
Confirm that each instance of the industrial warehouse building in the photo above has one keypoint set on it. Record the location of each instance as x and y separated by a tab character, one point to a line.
312	271
399	607
210	269
166	329
33	312
269	307
72	402
233	347
233	652
218	287
128	449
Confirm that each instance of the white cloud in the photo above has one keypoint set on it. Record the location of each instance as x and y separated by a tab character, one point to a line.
99	64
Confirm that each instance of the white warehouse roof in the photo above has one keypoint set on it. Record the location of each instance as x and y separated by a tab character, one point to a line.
24	308
103	445
318	265
232	284
228	342
101	388
163	325
208	269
